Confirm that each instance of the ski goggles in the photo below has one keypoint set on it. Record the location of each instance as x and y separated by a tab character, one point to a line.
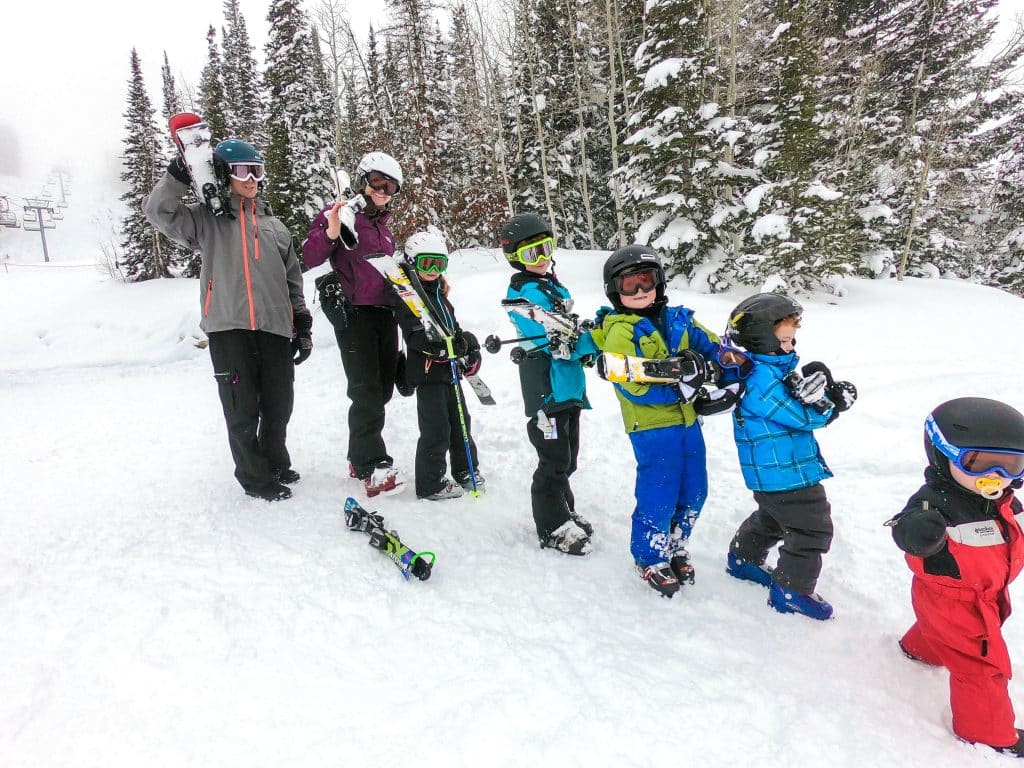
533	253
246	171
977	462
431	263
381	182
632	283
733	359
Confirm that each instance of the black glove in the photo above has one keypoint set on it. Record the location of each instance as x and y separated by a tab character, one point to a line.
179	170
693	374
720	400
920	531
842	393
460	344
471	363
809	390
302	337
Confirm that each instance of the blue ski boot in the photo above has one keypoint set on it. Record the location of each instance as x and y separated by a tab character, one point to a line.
787	601
745	570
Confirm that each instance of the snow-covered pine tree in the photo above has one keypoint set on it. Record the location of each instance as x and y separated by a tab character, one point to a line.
668	161
212	106
797	230
143	254
243	102
409	37
298	133
467	136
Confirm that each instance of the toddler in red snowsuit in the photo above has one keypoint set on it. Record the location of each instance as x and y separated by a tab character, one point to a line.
964	544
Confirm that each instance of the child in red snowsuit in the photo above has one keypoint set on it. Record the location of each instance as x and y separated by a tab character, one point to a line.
964	544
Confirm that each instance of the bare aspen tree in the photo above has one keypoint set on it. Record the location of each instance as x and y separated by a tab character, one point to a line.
612	26
581	127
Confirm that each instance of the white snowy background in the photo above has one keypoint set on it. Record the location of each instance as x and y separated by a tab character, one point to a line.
152	615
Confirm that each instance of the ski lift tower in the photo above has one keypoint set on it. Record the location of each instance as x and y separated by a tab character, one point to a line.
38	206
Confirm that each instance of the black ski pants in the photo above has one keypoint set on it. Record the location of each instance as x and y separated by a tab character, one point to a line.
255	378
369	355
802	520
440	433
550	493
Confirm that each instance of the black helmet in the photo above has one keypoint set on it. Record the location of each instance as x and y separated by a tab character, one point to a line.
519	229
971	422
632	258
752	322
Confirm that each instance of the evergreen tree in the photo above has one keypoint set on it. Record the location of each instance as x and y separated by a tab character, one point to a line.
212	106
299	126
242	95
143	248
171	99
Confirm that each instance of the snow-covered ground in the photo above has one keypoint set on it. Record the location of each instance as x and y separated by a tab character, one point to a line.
152	615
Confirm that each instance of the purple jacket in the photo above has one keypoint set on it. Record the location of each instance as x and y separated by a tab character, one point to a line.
361	283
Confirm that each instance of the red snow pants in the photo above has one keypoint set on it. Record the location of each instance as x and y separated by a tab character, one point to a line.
961	631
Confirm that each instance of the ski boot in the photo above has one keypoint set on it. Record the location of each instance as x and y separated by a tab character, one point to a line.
745	570
447	491
383	480
813	606
660	577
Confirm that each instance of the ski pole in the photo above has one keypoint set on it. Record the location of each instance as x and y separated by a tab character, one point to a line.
493	344
462	414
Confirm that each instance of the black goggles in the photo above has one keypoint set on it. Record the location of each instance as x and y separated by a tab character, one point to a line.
381	182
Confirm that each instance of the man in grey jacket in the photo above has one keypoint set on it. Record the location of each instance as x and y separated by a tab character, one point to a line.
253	310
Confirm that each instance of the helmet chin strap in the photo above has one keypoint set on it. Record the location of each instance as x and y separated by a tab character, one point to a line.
989	487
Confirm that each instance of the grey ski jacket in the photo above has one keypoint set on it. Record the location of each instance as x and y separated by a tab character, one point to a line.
250	277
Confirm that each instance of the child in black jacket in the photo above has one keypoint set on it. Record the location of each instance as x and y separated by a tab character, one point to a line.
444	421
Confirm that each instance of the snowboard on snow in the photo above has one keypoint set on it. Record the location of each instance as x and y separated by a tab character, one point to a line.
194	141
394	272
409	562
618	368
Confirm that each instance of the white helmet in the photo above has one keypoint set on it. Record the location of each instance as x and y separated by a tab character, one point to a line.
381	162
429	241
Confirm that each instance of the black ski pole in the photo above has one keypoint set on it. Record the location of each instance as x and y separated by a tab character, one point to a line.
493	344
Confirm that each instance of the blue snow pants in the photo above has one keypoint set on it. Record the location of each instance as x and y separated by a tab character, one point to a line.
671	487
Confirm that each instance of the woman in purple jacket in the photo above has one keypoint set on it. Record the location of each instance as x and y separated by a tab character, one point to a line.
369	341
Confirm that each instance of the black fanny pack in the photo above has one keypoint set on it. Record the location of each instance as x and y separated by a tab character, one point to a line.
333	300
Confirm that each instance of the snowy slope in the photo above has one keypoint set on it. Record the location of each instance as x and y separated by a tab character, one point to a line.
153	615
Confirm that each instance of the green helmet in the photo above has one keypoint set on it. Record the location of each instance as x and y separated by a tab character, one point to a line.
232	151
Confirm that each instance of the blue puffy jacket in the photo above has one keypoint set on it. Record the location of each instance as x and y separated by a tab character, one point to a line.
548	384
775	432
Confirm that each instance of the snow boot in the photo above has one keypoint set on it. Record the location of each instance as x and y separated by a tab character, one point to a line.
447	491
383	480
582	522
568	538
269	492
787	601
287	476
912	657
467	482
745	570
660	577
1014	750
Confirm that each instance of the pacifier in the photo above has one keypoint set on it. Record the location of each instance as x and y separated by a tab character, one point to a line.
989	487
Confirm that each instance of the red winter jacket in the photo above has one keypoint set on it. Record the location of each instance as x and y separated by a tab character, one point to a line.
960	581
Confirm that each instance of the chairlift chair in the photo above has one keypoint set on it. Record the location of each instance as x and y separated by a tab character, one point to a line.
29	225
9	219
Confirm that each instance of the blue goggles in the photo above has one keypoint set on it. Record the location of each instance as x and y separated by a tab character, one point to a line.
977	462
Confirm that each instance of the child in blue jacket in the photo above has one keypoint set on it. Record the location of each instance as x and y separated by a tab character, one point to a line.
553	385
774	429
661	419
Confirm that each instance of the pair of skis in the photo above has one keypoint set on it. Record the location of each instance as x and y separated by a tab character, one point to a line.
409	562
396	276
611	366
195	145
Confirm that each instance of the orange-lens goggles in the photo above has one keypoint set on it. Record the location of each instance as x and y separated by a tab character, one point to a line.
636	282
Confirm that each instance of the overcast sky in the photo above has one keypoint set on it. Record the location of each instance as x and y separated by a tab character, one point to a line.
64	68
